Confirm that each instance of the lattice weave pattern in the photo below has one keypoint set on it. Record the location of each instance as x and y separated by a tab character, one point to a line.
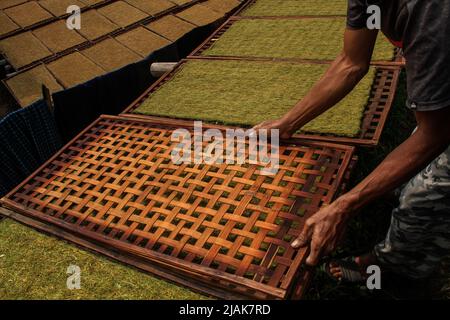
117	180
381	97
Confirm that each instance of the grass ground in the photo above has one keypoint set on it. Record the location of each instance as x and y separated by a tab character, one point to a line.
246	93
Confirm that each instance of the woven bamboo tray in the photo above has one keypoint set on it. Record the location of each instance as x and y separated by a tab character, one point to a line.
397	59
221	229
374	118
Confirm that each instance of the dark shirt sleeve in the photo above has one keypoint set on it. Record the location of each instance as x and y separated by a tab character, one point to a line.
357	14
427	52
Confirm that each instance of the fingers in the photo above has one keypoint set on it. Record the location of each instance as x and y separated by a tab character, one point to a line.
304	237
314	253
255	130
299	242
260	126
273	125
336	272
334	265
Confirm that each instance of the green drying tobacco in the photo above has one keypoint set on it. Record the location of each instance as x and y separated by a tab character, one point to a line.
315	38
296	8
246	93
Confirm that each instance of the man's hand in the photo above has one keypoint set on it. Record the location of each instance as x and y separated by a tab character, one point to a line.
324	230
275	124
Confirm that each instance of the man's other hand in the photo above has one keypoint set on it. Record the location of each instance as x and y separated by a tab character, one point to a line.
323	231
275	124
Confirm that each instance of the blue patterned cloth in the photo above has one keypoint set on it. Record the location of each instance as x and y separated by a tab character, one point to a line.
28	137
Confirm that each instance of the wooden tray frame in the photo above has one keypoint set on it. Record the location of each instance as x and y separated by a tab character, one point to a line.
194	276
375	114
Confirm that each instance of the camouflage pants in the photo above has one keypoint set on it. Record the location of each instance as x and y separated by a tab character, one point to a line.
419	235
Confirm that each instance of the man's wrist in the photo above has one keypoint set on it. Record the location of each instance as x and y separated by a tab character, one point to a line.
288	125
348	204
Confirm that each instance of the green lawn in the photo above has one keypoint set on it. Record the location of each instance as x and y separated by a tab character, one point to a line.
246	93
317	38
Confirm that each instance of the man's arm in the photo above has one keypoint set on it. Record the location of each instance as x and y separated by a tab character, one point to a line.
432	137
429	141
339	80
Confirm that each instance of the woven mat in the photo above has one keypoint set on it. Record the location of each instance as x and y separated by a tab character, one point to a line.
95	25
142	41
74	69
23	49
27	86
6	24
225	226
170	27
121	13
28	13
57	37
110	55
59	7
200	15
153	7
